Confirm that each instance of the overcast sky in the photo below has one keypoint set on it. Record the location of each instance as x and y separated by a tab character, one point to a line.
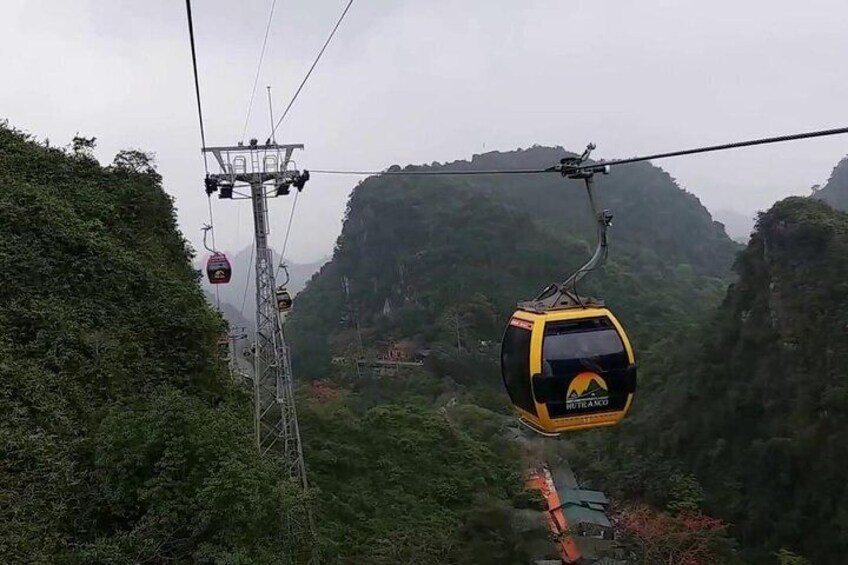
436	80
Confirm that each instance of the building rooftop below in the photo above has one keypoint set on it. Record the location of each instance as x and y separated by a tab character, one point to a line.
583	515
582	496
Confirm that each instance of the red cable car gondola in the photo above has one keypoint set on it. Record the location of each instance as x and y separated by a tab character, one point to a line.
218	269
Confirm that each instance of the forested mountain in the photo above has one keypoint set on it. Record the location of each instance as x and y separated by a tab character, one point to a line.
835	192
415	250
437	264
121	438
755	403
230	313
124	440
410	472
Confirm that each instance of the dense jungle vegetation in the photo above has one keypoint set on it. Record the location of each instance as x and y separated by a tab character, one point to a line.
426	248
438	264
123	439
752	404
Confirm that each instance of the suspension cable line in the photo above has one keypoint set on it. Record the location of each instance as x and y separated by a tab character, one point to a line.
724	146
258	69
432	173
271	114
314	63
202	137
281	264
197	84
247	279
214	247
212	225
581	167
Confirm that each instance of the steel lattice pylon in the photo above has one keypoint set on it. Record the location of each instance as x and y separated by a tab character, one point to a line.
276	417
265	169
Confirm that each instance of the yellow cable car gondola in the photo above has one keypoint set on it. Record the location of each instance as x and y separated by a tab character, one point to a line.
284	299
281	293
566	361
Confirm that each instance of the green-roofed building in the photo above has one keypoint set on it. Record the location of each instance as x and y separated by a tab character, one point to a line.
582	496
587	519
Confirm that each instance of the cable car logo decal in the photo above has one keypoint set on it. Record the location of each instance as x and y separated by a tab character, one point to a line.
587	390
523	324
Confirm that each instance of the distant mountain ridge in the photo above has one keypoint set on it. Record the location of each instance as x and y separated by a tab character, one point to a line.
835	192
649	207
438	263
738	226
413	248
755	402
240	293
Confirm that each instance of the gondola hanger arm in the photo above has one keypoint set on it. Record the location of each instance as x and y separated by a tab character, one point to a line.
206	229
572	167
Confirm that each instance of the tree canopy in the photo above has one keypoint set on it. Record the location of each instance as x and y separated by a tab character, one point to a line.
413	248
754	403
436	264
122	439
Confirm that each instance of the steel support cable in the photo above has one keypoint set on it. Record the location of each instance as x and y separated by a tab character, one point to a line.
214	247
314	63
281	264
559	168
202	134
212	224
247	279
196	84
431	173
724	146
288	231
258	69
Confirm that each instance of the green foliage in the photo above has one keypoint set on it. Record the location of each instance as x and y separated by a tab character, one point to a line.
488	535
431	247
404	483
421	465
685	493
122	440
83	147
135	161
179	479
754	404
786	557
532	499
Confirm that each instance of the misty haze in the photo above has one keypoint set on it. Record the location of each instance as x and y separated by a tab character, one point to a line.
379	282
